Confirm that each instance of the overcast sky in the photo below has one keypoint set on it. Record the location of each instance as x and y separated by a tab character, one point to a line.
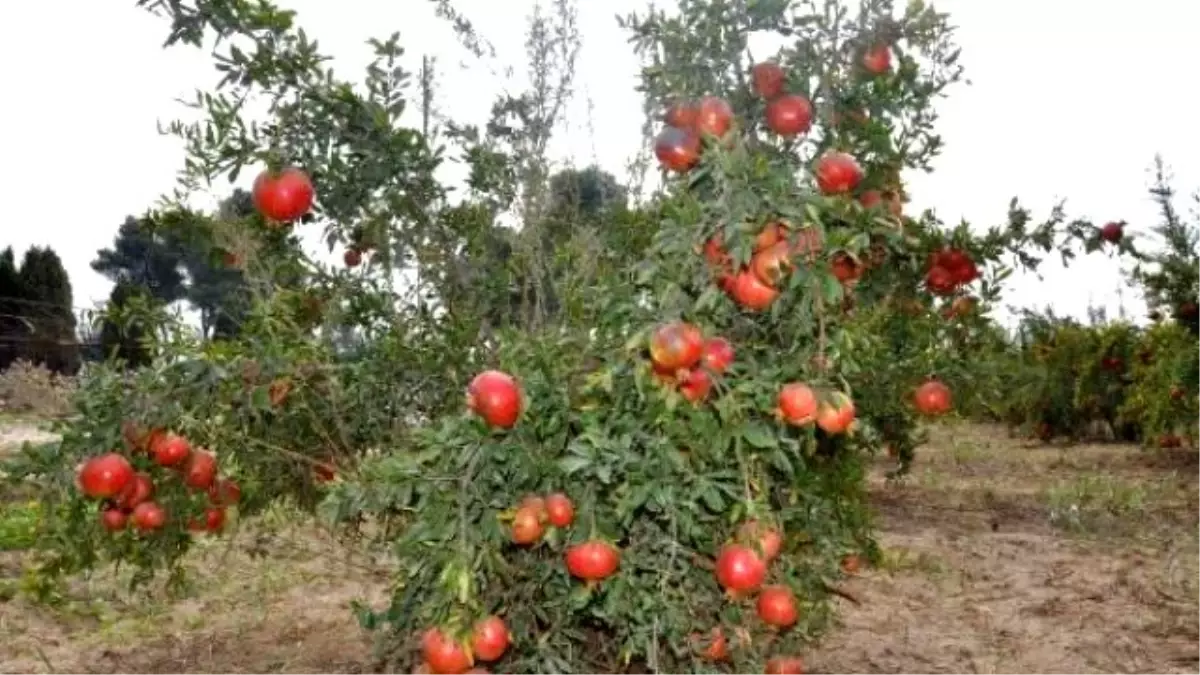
1069	99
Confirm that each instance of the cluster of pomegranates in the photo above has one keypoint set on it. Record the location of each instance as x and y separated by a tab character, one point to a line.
680	355
949	269
129	495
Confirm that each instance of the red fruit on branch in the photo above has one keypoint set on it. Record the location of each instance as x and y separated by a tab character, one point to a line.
681	115
933	398
718	355
747	291
740	569
776	606
1112	232
789	115
593	560
838	173
105	476
877	59
797	404
768	79
713	116
148	516
560	511
496	398
490	639
676	346
443	654
696	386
283	196
677	149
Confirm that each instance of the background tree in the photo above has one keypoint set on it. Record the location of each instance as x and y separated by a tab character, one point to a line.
14	330
122	337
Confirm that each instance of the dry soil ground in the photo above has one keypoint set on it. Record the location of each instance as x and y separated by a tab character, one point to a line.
1001	556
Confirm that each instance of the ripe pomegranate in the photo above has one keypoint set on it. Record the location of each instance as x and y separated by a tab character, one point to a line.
139	489
770	265
148	516
767	538
749	292
940	281
560	511
718	355
283	196
677	149
771	234
696	386
837	173
537	504
713	116
797	404
490	639
105	476
962	306
877	60
789	115
201	470
496	398
675	346
444	655
352	257
715	253
113	519
593	560
682	115
213	521
777	607
836	413
527	527
740	569
846	268
784	665
714	647
1112	232
224	492
933	398
171	451
768	79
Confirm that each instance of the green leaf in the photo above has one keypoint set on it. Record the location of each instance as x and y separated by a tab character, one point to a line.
758	436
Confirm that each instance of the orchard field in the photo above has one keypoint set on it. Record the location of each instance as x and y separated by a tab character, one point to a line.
758	416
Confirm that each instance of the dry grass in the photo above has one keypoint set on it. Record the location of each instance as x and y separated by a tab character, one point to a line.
1000	557
29	390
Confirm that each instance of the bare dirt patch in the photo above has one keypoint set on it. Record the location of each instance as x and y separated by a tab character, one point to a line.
1001	556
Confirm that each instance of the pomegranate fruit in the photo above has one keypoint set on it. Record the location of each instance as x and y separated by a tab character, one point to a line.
201	470
172	450
714	647
139	489
718	355
767	538
797	404
713	116
784	665
352	257
877	60
105	476
560	511
677	149
776	606
770	265
768	79
443	654
225	492
593	560
933	398
846	268
283	196
836	413
940	281
676	346
148	516
496	398
740	569
837	173
1112	232
527	527
789	115
113	519
696	386
747	291
681	115
490	639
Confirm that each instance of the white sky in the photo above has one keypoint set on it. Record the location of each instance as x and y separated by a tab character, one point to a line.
1069	99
